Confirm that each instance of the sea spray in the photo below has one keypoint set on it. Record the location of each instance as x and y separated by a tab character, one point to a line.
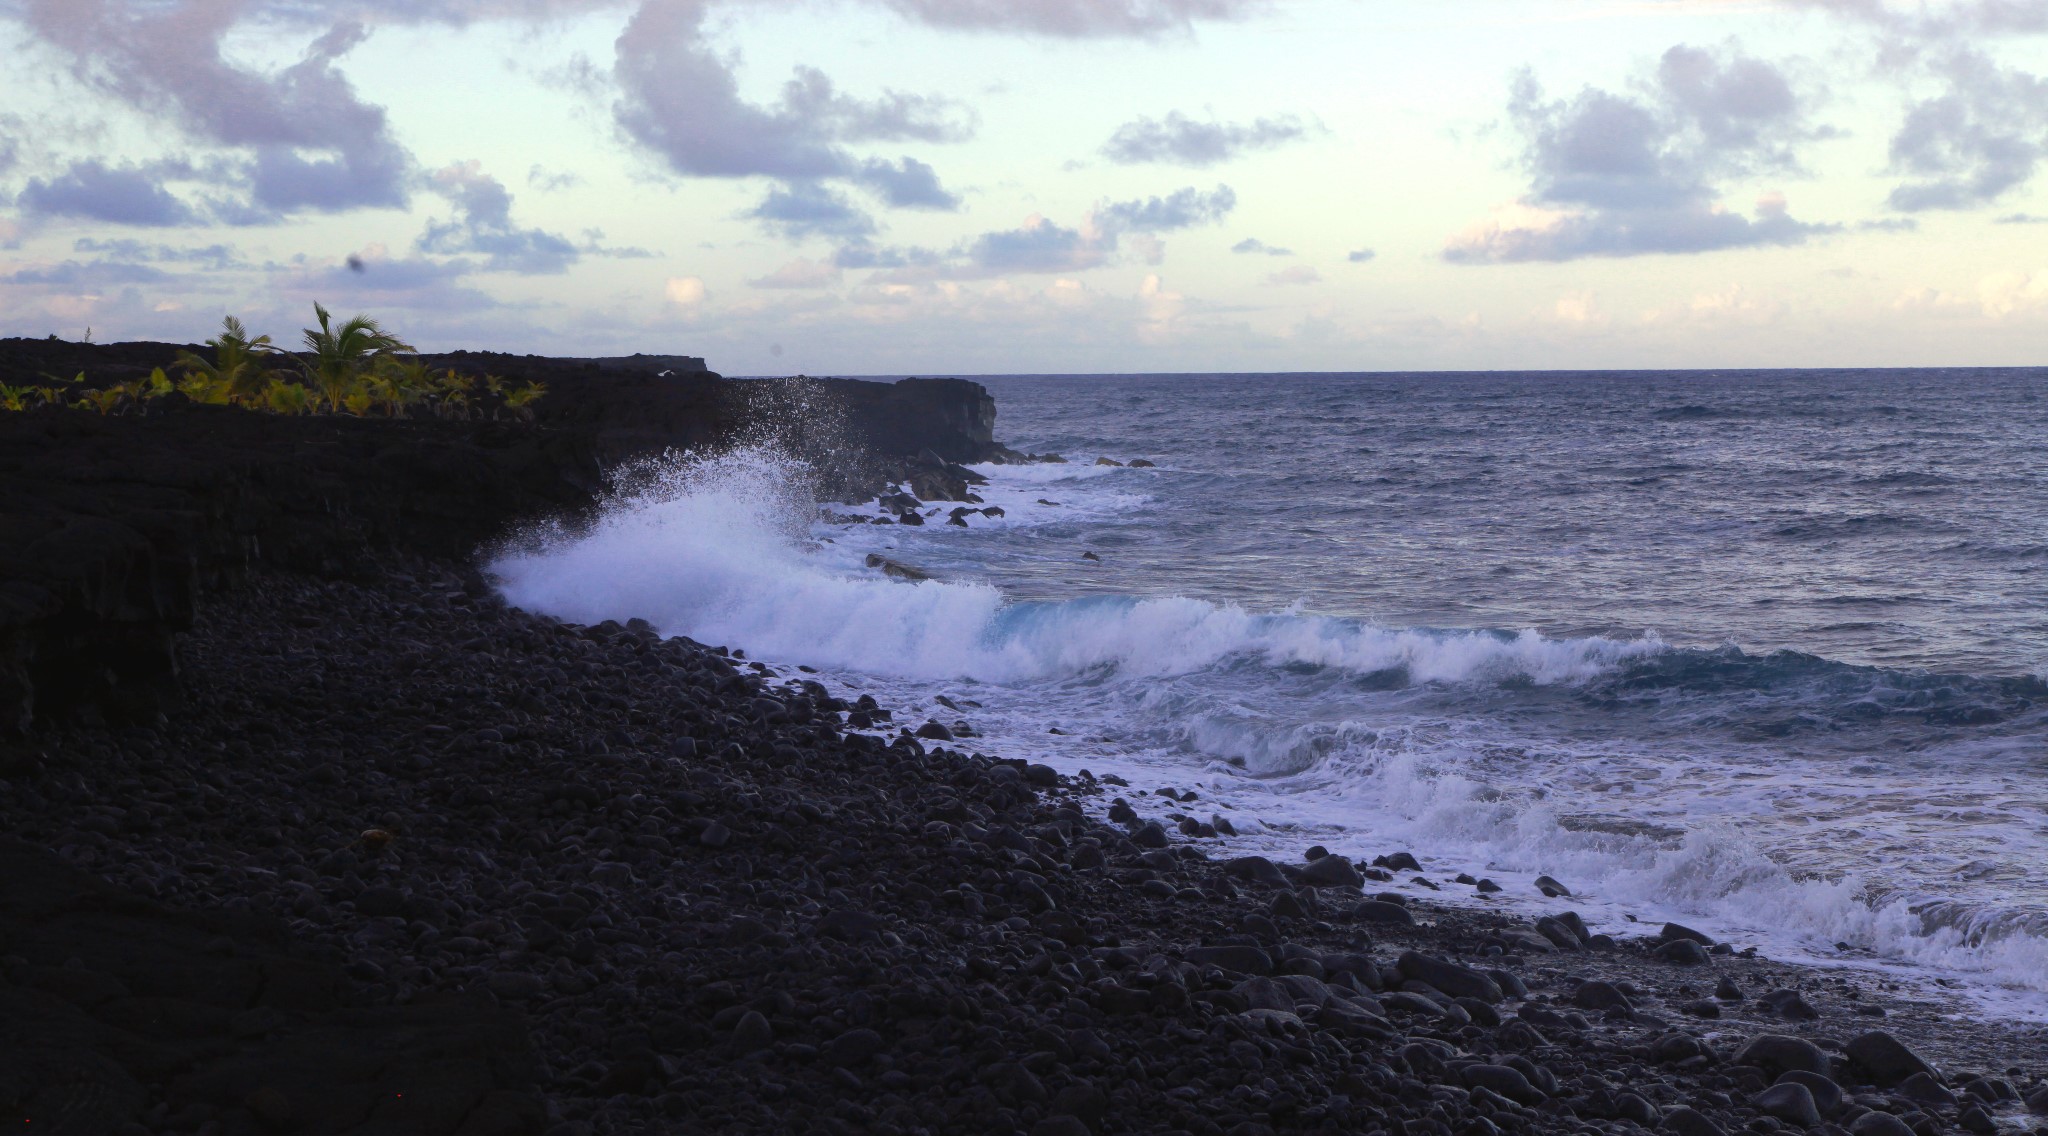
719	549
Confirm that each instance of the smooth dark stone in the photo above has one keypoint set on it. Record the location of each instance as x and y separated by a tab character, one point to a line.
1788	1101
1776	1054
1884	1060
1451	978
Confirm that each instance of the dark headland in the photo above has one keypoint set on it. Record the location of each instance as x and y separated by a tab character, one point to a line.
307	831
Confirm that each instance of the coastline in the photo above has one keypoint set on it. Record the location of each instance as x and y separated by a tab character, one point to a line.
423	862
785	936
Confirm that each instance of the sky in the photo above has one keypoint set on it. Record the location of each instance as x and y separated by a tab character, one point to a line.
1030	186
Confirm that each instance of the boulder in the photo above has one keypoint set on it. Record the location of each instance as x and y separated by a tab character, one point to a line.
1674	931
1451	978
1777	1054
1232	959
1331	871
1380	911
1600	996
1684	1121
1884	1060
1788	1101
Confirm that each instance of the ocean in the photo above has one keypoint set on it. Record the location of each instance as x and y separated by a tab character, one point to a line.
1762	652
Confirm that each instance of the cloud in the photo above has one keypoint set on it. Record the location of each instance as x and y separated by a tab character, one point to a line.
1360	256
373	279
551	181
92	190
310	142
800	209
90	275
800	273
483	225
1039	245
2021	219
1075	18
1628	175
1255	245
217	257
1999	296
859	253
1180	140
685	291
682	101
905	184
1983	136
1297	274
1521	233
1183	208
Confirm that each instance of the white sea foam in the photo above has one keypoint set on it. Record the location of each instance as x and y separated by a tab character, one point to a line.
1240	705
708	550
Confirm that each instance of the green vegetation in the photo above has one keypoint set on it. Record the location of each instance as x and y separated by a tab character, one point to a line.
354	368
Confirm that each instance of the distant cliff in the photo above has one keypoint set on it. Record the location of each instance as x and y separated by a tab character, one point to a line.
112	528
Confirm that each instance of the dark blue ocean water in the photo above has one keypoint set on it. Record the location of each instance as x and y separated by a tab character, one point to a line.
1889	518
1757	650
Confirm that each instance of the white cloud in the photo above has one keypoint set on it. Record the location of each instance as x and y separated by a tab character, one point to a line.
686	291
800	273
1296	274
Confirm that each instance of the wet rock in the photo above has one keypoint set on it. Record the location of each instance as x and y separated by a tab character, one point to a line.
752	1033
1675	931
1683	952
1629	1106
853	1049
1331	871
1380	911
1776	1054
1683	1121
1551	888
1231	958
1599	995
1788	1004
1727	991
1884	1060
1827	1095
1397	862
1788	1101
1558	935
1879	1124
1452	978
1255	869
1923	1088
1506	1081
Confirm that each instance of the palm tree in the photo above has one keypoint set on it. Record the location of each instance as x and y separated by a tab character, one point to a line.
522	398
398	383
337	357
287	398
236	373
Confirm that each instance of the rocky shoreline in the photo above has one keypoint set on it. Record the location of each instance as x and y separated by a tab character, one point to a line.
714	906
309	832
